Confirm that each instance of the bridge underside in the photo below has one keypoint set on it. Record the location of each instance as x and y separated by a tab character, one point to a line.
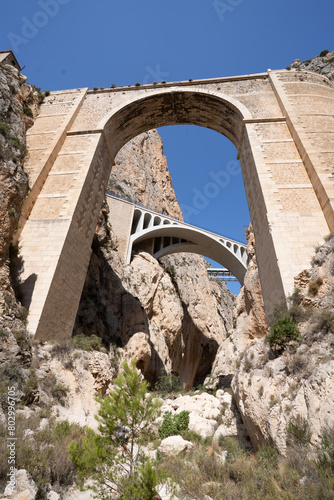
165	241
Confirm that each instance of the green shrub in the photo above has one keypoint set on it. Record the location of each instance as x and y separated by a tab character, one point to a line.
27	111
12	212
326	453
325	321
45	455
92	343
4	128
61	351
300	431
282	332
324	53
314	286
47	93
168	383
59	392
174	425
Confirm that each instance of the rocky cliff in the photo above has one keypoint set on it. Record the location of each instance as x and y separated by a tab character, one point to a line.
322	64
167	315
275	393
18	104
249	322
295	384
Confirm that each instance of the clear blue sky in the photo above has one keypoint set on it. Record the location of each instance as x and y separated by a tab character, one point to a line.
84	43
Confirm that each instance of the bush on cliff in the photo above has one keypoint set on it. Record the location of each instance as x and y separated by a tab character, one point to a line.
282	332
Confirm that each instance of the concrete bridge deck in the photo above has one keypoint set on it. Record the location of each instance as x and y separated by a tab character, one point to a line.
161	234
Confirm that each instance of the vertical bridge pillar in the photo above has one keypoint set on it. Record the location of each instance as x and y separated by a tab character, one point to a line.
56	240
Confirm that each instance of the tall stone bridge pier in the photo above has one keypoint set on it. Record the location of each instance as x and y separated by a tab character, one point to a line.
281	122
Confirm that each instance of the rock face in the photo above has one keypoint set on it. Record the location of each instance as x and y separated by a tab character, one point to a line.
166	315
18	104
173	445
296	386
141	174
208	415
322	64
25	488
249	322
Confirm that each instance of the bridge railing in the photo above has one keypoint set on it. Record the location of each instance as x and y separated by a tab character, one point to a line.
139	205
114	195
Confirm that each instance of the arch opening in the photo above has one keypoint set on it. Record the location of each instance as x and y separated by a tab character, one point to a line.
204	109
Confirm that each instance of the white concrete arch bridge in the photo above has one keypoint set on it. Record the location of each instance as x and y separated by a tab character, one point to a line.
160	235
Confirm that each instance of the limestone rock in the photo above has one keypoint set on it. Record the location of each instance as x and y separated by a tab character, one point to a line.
138	348
89	374
165	494
174	445
141	174
75	494
25	488
322	64
52	495
100	368
206	413
271	393
180	315
249	322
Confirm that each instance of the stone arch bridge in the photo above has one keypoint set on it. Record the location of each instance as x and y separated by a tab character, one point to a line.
281	122
160	235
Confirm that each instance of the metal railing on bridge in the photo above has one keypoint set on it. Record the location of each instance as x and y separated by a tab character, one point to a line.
132	202
220	273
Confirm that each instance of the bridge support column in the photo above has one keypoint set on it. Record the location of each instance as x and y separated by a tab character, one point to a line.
287	218
55	243
121	216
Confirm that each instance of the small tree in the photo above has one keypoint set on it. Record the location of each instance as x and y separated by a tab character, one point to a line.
110	455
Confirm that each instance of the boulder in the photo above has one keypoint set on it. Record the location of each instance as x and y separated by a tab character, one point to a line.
25	488
174	445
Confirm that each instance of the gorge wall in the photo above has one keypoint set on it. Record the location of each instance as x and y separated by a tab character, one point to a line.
167	315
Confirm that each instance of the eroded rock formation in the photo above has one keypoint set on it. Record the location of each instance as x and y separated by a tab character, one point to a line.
167	315
249	322
18	104
322	64
271	391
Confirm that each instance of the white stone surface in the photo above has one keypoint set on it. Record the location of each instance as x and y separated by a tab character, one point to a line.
175	445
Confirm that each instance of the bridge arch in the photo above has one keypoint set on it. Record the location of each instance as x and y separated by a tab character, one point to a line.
209	109
227	115
279	122
162	235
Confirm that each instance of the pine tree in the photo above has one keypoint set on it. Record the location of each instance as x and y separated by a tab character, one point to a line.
112	456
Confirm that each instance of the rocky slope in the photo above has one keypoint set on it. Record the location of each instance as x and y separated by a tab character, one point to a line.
167	315
274	390
18	104
322	64
273	394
